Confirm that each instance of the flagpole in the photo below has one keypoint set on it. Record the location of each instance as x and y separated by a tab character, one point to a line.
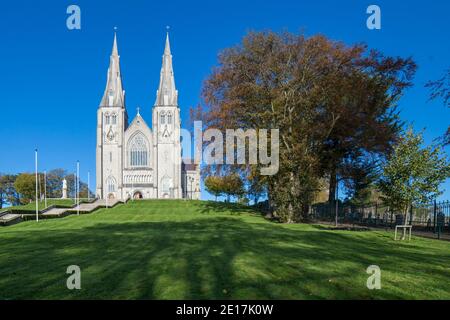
88	196
36	171
45	188
40	188
78	187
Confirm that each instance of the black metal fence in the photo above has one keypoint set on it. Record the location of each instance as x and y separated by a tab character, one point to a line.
430	216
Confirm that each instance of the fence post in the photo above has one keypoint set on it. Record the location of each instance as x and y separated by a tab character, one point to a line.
392	216
434	216
411	215
376	213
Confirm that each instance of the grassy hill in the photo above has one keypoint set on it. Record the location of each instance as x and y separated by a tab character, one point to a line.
41	205
193	250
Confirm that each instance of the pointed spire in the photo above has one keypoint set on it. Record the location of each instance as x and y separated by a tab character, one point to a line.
167	95
115	51
114	95
167	47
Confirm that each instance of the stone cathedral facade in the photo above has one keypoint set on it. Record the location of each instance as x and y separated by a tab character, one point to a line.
134	160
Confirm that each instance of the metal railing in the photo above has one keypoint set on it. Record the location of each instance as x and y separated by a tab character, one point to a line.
428	216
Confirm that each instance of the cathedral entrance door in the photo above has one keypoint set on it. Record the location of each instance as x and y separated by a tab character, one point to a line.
166	183
137	195
111	196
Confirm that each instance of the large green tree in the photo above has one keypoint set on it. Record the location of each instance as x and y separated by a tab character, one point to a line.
413	173
25	185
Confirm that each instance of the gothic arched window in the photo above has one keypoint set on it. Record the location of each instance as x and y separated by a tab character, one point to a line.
107	118
138	151
110	98
163	117
111	184
166	184
114	118
169	118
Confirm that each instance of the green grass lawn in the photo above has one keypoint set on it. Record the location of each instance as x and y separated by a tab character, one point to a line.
205	250
41	204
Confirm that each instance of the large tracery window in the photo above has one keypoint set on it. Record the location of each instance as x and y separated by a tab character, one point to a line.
163	117
138	152
169	118
111	184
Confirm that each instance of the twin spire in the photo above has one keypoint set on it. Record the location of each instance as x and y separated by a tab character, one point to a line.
114	95
167	95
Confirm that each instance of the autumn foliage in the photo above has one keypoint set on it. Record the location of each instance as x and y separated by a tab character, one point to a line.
332	103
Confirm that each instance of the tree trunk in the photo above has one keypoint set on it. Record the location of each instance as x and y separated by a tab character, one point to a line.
405	222
270	190
332	187
305	212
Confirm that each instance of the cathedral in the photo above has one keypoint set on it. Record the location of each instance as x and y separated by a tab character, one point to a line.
134	160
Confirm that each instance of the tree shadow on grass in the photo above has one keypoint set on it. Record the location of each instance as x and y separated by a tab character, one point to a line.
214	258
340	228
228	207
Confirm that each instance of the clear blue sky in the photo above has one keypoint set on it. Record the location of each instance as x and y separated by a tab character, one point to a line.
52	78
